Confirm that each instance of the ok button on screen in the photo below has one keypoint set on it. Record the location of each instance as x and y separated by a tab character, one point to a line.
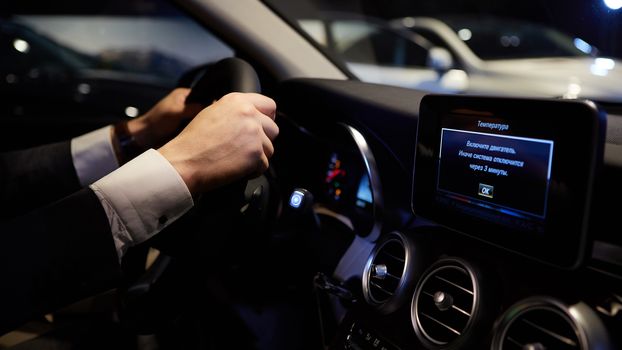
487	191
505	173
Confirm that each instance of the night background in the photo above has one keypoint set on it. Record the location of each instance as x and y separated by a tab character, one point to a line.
590	20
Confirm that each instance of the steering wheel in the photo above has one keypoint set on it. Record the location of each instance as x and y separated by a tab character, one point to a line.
212	81
203	234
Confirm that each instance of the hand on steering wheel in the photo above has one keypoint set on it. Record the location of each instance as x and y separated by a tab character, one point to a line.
216	154
227	141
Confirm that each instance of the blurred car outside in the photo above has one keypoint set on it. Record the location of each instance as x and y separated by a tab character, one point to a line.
469	54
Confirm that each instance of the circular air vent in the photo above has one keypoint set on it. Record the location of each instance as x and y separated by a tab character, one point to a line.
445	303
545	323
387	279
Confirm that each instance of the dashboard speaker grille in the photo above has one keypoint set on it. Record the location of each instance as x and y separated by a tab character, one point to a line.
444	303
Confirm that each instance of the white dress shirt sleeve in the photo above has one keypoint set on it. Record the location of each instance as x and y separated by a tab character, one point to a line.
141	198
93	155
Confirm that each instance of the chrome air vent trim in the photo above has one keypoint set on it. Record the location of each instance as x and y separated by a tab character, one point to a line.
545	322
388	276
445	303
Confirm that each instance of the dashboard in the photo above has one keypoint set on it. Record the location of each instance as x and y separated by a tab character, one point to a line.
465	223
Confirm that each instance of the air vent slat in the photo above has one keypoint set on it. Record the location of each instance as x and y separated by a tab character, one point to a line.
461	311
441	323
453	284
393	276
393	256
453	306
380	288
513	341
561	338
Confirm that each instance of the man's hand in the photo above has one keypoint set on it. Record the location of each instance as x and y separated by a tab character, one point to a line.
227	141
162	121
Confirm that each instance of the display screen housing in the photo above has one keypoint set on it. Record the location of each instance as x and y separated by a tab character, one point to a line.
516	173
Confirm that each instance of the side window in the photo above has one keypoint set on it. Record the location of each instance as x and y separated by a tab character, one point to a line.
69	73
161	47
18	51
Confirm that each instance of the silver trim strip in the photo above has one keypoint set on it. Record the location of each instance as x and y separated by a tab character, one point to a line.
374	180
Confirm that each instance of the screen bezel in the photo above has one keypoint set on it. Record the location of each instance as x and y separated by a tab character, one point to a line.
564	240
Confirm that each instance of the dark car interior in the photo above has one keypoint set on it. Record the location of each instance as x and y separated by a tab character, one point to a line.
511	299
366	232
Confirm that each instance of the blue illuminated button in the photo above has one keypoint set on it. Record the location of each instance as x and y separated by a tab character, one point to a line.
295	200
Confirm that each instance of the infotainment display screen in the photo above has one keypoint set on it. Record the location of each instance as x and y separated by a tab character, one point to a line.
514	173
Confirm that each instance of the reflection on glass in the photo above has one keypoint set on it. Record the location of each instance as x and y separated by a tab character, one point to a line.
364	195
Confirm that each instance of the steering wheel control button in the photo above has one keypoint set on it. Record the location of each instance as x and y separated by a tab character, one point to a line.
295	200
300	199
300	212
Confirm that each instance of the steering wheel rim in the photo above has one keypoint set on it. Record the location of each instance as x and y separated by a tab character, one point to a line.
211	81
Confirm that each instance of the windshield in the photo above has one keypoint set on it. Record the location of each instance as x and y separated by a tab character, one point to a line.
493	38
530	48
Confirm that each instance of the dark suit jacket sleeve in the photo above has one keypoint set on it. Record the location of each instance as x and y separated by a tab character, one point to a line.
54	256
35	177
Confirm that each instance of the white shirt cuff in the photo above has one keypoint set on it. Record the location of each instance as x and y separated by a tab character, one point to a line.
93	155
141	198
